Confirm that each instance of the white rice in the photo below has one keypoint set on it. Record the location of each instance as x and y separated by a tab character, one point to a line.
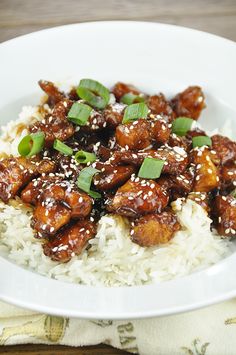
113	259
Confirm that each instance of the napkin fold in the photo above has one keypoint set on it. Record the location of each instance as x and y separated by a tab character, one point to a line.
209	331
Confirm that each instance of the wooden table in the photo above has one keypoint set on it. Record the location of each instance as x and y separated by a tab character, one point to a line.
18	17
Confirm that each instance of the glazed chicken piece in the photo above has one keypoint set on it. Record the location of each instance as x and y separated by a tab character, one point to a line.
182	184
58	203
176	158
189	103
134	135
103	153
47	220
154	229
46	166
225	149
54	94
160	106
138	196
56	126
33	191
120	89
160	131
70	242
228	177
177	185
140	134
79	202
128	157
112	177
113	114
182	142
206	174
202	199
67	166
15	173
225	215
96	122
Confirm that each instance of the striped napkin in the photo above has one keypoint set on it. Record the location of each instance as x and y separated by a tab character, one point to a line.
209	331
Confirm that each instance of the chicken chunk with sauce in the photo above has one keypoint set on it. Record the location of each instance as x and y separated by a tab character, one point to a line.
206	175
189	103
154	229
15	173
112	177
57	204
225	215
225	149
137	197
160	106
120	89
70	241
56	125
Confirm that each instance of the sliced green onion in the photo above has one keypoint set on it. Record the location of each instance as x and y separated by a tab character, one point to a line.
134	112
233	193
62	147
79	113
130	98
85	179
31	144
182	125
200	141
94	93
83	157
151	168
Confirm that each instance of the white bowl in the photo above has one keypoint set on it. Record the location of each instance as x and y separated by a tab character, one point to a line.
155	57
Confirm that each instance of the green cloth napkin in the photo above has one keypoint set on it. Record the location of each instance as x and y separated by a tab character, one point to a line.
209	331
